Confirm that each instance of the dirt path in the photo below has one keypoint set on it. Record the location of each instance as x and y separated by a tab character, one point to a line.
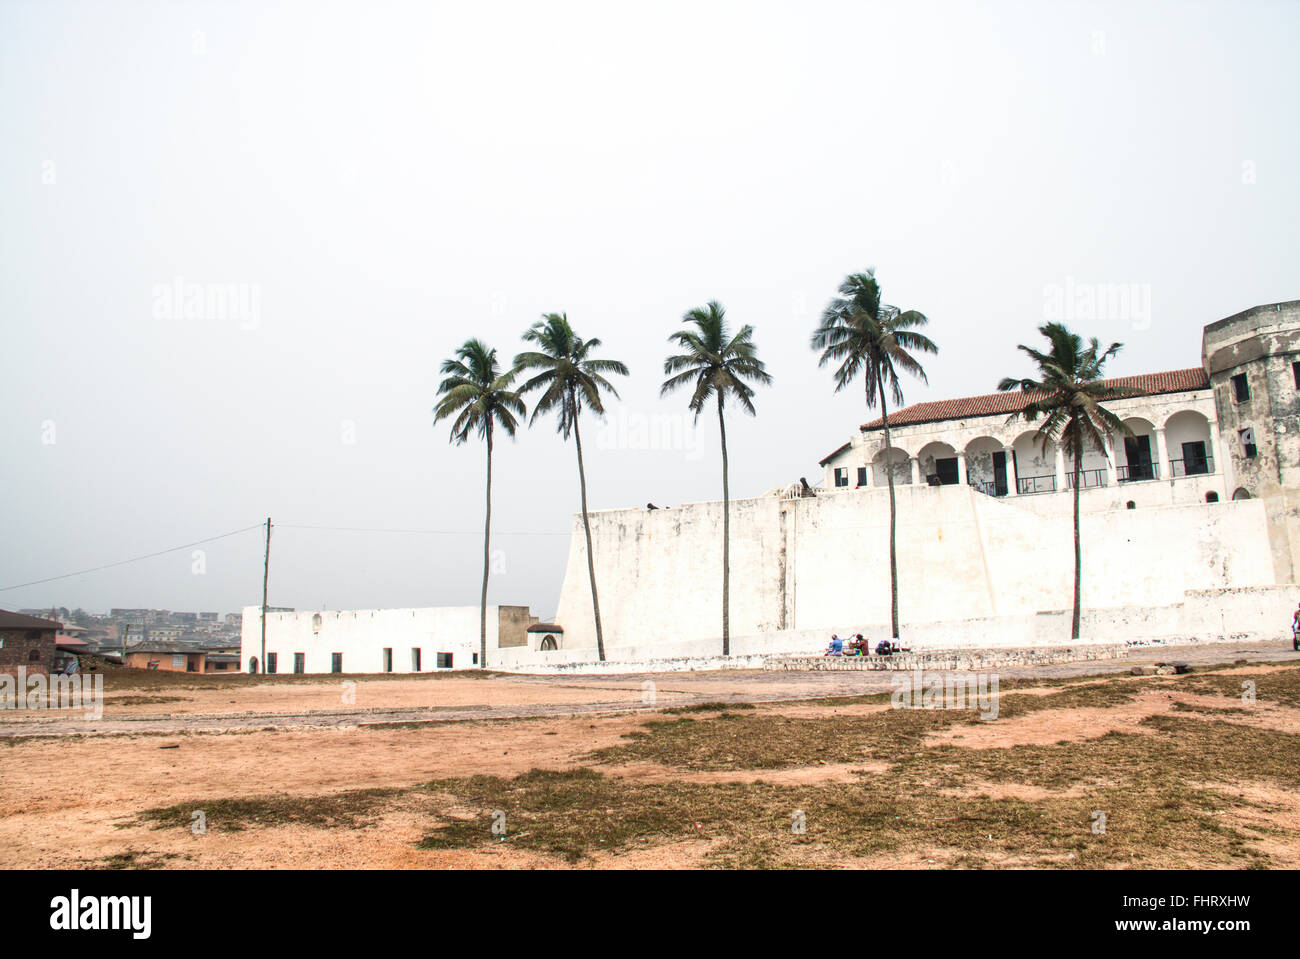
451	698
73	800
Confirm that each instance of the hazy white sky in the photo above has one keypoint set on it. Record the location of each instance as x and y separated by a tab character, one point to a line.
380	181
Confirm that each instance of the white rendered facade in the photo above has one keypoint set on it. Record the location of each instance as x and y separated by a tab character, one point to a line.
1185	533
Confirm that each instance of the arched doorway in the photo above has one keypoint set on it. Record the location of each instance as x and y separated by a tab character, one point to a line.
1187	436
1138	459
894	460
1241	493
252	666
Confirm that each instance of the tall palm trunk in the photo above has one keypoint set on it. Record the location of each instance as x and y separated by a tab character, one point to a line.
586	527
726	538
1078	555
487	554
893	514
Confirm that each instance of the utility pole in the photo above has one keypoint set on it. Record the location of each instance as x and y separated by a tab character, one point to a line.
266	572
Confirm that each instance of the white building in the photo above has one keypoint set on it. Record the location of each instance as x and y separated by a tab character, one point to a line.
970	441
1190	527
380	640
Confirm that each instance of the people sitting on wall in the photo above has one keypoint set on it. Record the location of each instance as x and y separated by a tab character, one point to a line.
836	647
886	648
859	646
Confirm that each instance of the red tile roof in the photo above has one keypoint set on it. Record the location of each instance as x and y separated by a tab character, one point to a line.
992	404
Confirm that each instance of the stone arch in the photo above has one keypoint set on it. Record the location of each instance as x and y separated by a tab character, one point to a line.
1137	455
1241	493
1035	469
899	464
1187	440
548	642
938	462
988	467
1094	467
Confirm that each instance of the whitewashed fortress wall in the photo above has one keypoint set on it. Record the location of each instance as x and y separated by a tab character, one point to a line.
1182	547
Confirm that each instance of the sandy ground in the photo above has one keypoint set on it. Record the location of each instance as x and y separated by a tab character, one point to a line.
70	800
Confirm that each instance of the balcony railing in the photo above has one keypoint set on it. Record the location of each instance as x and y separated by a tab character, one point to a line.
1198	466
1138	472
1087	478
1036	484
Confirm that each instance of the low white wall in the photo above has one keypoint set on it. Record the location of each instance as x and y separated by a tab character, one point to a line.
361	636
1205	616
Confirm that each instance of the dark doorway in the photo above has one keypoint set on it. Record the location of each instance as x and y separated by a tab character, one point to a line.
1137	450
946	470
1195	462
1000	474
336	662
299	662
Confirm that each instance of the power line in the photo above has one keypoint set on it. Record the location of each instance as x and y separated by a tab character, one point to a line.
134	559
210	539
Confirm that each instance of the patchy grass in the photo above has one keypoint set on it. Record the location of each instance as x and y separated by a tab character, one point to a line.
581	813
134	859
351	810
717	707
951	805
769	740
142	700
1281	687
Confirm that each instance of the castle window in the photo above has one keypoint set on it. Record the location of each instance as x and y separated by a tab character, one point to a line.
1211	497
1240	388
1248	447
862	476
841	476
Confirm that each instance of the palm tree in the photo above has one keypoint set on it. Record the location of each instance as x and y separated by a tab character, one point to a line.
1068	395
478	394
570	379
718	365
870	337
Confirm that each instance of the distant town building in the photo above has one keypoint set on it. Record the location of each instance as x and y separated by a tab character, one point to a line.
27	641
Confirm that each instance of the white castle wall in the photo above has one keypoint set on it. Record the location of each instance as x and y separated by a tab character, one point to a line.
813	565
